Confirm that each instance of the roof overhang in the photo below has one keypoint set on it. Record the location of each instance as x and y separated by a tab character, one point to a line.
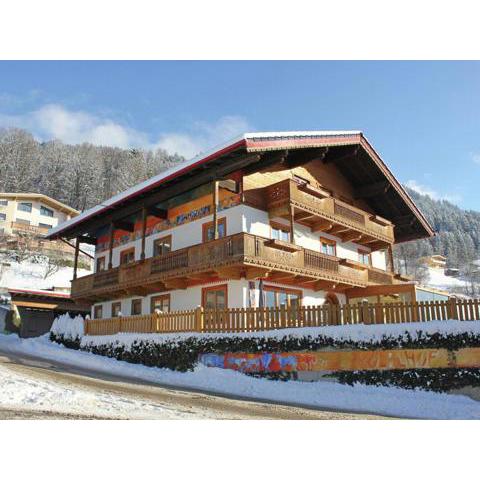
354	156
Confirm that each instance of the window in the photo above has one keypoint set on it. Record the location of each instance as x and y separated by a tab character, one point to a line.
46	211
160	302
45	225
364	257
215	297
3	203
3	217
277	296
208	233
327	246
280	232
127	256
163	245
25	207
100	264
22	221
136	308
97	311
116	308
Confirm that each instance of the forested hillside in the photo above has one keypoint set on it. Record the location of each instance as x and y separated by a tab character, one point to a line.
79	175
84	175
458	232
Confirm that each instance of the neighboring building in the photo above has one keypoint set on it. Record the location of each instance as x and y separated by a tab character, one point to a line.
268	219
401	292
29	216
38	308
435	261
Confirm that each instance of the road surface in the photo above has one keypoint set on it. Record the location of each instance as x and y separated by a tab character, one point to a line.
32	388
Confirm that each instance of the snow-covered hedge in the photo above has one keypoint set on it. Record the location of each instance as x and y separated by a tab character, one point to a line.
66	329
180	351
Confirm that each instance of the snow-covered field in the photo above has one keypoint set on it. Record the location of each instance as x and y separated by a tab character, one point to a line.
438	279
327	394
30	275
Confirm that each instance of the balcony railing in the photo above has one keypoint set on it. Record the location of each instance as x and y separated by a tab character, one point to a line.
319	207
235	256
30	229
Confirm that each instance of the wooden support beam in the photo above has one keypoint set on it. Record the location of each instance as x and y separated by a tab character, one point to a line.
372	189
144	230
349	153
292	224
323	226
252	273
73	246
215	208
351	237
303	156
87	240
75	260
339	229
110	245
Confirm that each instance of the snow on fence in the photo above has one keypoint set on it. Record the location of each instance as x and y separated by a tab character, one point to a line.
257	319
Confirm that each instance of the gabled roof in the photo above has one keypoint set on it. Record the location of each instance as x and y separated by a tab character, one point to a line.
256	142
41	198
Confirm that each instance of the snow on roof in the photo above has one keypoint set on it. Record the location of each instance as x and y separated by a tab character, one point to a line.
48	293
184	166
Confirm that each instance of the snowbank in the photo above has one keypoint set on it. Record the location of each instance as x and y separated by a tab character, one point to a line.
68	327
328	395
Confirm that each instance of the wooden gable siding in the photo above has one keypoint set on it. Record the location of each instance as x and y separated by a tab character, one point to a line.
316	172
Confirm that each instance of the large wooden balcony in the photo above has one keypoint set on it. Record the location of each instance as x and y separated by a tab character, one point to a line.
237	256
320	211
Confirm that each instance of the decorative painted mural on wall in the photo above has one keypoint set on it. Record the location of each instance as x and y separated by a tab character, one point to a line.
344	360
180	216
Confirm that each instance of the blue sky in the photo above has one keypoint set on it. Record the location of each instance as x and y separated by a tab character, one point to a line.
422	117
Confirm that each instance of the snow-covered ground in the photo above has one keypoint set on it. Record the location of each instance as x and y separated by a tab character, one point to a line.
30	275
24	393
327	394
438	279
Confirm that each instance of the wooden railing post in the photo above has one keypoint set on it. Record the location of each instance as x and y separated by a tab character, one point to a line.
85	326
199	319
452	308
366	314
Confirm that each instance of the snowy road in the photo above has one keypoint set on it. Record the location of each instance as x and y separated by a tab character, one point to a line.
34	388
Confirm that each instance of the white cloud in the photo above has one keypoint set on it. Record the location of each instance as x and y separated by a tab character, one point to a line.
203	135
425	190
476	158
54	121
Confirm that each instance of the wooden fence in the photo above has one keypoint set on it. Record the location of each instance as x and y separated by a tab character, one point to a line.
256	319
